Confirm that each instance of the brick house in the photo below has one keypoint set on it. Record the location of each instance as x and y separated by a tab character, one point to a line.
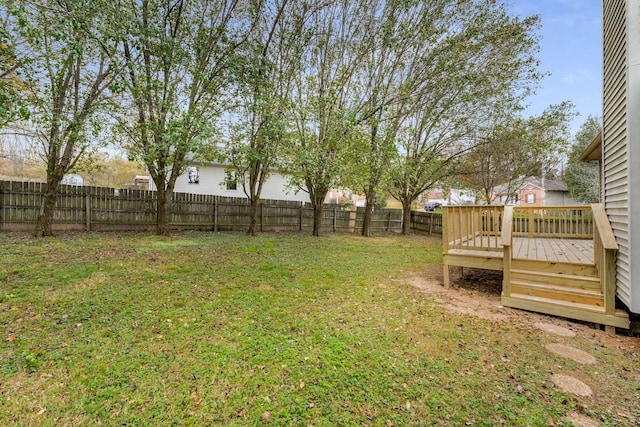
534	191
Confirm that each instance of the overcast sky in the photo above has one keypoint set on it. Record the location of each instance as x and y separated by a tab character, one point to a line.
571	50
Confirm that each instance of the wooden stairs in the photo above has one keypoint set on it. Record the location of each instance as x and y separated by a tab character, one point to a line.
562	289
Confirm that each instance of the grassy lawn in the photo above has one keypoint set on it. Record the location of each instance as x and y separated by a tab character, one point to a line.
225	329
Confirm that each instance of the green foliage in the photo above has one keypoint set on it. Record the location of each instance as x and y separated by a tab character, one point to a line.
583	178
517	148
179	57
13	104
475	65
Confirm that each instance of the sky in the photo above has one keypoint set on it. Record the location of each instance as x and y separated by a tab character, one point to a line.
571	50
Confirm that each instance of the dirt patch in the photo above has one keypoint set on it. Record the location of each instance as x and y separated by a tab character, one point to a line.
476	292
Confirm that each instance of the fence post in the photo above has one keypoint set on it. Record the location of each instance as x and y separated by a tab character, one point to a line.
301	208
215	214
87	211
389	222
430	216
335	219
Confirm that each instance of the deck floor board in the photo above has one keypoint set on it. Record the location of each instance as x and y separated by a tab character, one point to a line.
575	251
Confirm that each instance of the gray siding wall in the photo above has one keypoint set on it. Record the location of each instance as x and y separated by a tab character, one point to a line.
633	148
621	38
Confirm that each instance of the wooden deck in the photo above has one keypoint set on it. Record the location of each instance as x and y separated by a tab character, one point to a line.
555	260
576	251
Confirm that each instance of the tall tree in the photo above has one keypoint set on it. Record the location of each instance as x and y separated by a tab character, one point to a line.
515	149
583	178
179	55
476	63
270	60
395	33
66	58
323	111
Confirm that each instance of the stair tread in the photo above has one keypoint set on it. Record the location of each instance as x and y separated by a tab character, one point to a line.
546	274
588	307
559	288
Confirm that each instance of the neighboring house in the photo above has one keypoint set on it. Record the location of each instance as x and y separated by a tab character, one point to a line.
341	195
72	179
216	179
534	192
452	196
619	147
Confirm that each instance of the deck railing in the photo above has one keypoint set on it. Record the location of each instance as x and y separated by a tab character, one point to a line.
562	222
604	254
472	227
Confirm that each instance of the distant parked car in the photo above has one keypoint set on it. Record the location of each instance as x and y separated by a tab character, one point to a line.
432	206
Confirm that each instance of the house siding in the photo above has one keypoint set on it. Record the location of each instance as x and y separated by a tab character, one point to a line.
212	182
621	84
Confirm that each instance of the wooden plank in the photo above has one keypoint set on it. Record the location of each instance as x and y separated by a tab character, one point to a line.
549	251
488	263
558	293
568	310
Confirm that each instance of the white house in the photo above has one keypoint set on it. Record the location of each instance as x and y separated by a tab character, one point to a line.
214	179
620	142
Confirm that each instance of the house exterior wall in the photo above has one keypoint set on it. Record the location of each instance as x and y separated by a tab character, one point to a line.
211	180
531	195
621	140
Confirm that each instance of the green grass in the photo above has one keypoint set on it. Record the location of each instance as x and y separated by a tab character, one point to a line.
225	329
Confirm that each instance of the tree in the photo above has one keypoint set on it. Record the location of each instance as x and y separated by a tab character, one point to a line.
322	109
270	59
12	87
67	60
583	178
112	171
394	36
179	56
476	63
515	149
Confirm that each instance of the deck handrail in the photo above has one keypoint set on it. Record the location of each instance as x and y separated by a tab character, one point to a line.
472	227
507	226
604	255
573	222
603	227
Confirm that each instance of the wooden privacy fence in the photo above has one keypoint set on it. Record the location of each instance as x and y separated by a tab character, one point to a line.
426	222
108	209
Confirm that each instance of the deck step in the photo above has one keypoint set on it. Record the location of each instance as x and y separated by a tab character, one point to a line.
589	297
571	269
586	312
557	279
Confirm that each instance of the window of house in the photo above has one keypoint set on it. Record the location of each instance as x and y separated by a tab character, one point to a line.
230	180
194	175
531	198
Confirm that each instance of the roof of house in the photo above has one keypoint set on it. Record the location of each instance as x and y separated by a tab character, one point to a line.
546	184
594	150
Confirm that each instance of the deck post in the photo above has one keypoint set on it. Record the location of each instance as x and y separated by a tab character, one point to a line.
445	246
507	240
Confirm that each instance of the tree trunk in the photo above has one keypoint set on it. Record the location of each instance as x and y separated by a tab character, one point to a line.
253	216
406	217
368	213
317	218
45	215
163	211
